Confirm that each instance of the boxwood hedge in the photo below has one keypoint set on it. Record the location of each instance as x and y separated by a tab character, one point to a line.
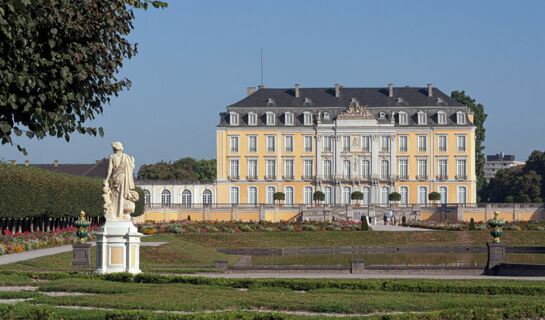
28	192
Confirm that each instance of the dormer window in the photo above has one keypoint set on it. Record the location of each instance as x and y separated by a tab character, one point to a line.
326	116
382	115
403	118
271	102
308	102
460	117
441	117
439	100
288	119
307	118
421	118
233	119
399	100
252	119
270	119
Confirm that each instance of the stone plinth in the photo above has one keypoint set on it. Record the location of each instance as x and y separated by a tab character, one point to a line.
357	265
221	265
81	255
496	255
118	248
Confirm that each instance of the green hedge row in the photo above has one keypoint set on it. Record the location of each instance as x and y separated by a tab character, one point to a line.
28	192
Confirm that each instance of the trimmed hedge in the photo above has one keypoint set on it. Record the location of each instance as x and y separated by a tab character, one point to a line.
32	192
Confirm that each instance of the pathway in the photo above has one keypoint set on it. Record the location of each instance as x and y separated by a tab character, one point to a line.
27	255
381	227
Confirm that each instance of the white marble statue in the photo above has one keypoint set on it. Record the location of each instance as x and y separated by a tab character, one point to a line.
118	192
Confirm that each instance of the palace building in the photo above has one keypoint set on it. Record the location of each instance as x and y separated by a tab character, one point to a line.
411	140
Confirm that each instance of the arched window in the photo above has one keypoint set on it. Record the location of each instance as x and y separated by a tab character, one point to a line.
444	195
207	196
147	197
366	195
270	195
384	193
186	198
233	195
307	195
327	192
288	191
461	195
404	192
252	195
422	195
165	198
346	195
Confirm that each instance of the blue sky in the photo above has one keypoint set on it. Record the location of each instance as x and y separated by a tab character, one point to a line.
197	57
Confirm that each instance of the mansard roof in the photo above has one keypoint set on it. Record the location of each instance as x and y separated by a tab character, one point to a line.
325	97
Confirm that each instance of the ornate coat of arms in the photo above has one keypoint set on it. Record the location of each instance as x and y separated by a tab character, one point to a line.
355	111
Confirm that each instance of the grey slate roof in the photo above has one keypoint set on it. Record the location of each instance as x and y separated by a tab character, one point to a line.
96	170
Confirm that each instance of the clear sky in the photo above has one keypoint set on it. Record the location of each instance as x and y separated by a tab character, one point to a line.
197	57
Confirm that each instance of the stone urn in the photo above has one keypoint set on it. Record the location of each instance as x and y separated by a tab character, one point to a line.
81	224
496	224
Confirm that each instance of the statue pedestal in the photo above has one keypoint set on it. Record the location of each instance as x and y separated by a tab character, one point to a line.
118	248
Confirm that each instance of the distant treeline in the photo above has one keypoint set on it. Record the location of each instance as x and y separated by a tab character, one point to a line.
186	169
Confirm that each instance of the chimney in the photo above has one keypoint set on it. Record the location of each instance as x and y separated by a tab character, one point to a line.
27	163
13	162
390	90
56	163
430	90
297	95
251	90
259	87
337	90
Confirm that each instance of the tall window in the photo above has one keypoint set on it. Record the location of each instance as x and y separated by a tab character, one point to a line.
307	143
270	195
461	118
288	168
421	118
366	195
346	169
461	143
404	192
233	144
327	192
233	195
328	143
288	143
186	198
461	169
147	197
252	143
384	169
441	118
252	195
365	143
403	119
270	119
307	119
346	143
403	143
288	192
233	169
461	194
422	143
328	171
252	169
422	195
442	143
307	195
403	169
365	169
271	169
385	143
384	193
271	145
422	168
307	169
233	119
288	119
207	196
165	198
442	169
444	195
252	119
346	195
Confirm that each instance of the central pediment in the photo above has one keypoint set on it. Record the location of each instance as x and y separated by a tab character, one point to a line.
355	111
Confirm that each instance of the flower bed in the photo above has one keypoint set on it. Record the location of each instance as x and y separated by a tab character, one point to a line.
26	241
463	225
235	226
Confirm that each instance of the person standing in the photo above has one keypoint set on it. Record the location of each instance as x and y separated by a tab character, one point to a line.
404	221
385	219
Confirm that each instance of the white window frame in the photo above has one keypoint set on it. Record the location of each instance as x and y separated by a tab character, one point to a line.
233	118
441	117
384	195
366	191
346	194
365	170
422	118
270	118
346	143
385	169
252	119
461	147
288	174
147	196
252	170
234	170
347	169
458	194
187	197
367	145
328	174
250	137
233	144
328	192
443	200
307	143
288	118
404	192
421	171
234	195
307	118
461	168
439	138
289	196
440	174
270	171
403	118
385	143
269	194
460	118
286	144
327	146
251	200
422	198
422	147
404	138
207	197
308	168
166	197
268	142
403	169
307	195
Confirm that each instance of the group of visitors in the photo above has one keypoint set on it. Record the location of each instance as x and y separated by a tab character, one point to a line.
392	220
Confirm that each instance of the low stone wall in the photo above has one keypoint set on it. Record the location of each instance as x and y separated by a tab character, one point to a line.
520	270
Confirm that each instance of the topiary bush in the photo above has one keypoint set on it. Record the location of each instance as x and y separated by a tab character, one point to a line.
471	225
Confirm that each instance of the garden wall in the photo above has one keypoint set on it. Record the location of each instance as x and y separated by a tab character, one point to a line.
218	214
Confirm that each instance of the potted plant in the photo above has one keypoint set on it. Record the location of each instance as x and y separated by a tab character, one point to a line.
395	197
357	195
278	196
318	196
434	196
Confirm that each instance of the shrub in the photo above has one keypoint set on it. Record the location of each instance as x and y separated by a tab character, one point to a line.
356	195
509	199
278	196
434	196
364	224
318	196
471	225
394	196
538	200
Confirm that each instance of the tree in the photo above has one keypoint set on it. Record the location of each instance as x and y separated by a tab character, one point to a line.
279	196
434	196
364	223
318	196
186	169
394	196
58	63
471	225
356	195
479	117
